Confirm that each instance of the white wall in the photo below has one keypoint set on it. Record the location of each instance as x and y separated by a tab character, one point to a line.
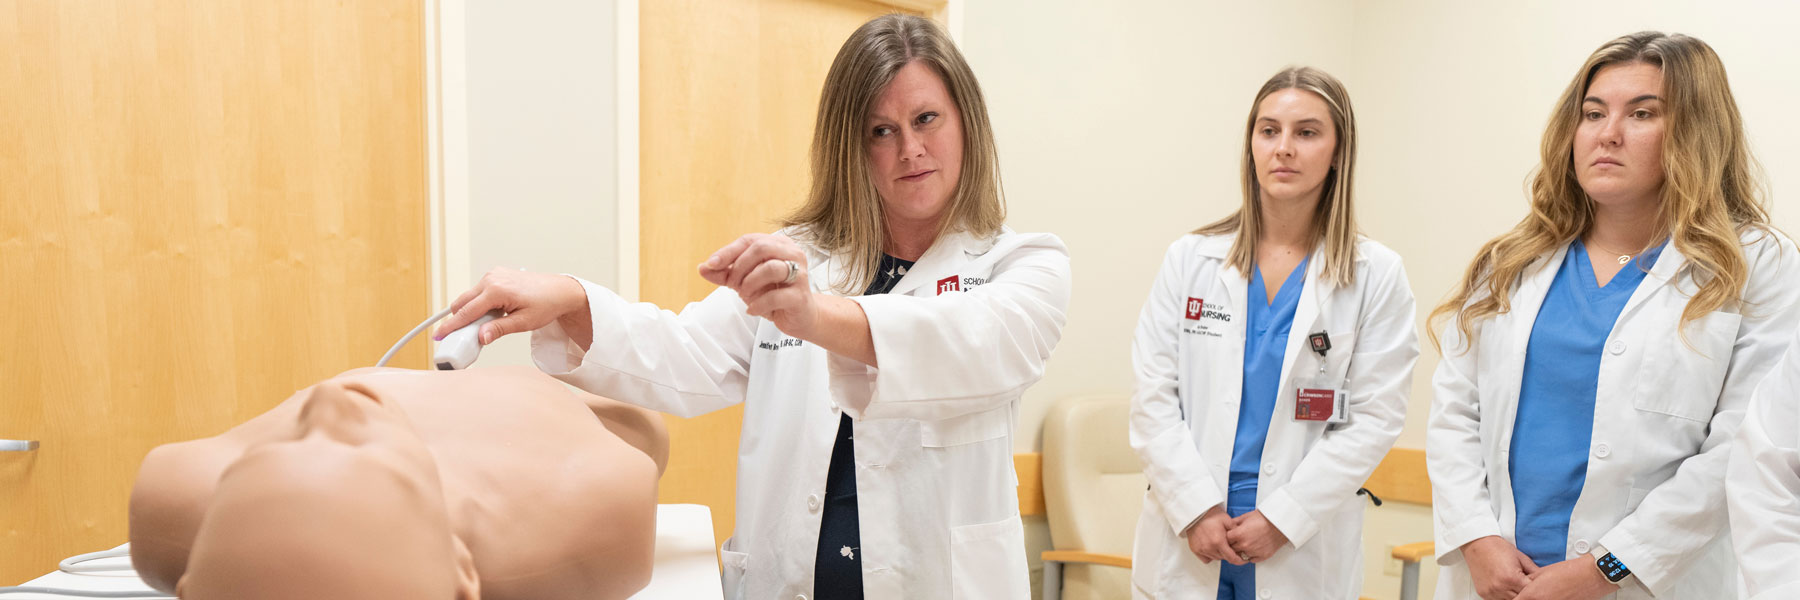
541	144
1120	127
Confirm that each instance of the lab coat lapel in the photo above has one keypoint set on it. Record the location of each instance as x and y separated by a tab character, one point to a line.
1533	287
824	271
1220	433
1668	265
1313	293
951	251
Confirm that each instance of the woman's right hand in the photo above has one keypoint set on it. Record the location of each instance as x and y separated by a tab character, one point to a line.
1499	570
1207	540
530	301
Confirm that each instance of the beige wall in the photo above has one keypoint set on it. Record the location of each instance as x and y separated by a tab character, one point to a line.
538	124
1120	127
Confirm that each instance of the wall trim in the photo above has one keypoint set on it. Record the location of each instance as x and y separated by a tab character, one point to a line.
447	140
627	85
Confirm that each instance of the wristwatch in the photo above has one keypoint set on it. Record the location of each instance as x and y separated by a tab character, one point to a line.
1613	568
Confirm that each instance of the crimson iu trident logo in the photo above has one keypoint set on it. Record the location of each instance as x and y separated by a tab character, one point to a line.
950	284
1193	308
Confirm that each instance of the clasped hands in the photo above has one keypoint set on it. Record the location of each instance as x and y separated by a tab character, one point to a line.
1249	538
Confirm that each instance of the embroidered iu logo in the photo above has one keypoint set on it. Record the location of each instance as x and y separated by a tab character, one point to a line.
1193	308
950	284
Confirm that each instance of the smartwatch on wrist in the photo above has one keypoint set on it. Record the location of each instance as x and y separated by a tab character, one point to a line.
1613	568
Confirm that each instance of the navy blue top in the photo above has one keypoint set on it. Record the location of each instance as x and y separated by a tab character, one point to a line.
837	569
1265	347
1556	399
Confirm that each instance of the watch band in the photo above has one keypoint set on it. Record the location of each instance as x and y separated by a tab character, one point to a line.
1612	568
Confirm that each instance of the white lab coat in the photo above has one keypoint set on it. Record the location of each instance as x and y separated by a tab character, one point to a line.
1664	409
1184	417
1762	486
935	486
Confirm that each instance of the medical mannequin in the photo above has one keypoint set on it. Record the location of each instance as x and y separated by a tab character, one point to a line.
392	484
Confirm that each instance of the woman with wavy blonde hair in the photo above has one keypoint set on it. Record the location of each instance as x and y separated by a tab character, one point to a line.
1598	354
1273	360
881	343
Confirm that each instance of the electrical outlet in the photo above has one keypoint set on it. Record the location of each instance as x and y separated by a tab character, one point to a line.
1390	566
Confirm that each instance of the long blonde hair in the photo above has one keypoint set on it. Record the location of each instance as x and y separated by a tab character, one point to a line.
1334	218
843	213
1710	192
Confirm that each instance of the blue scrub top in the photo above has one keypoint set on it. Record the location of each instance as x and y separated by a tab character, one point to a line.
1556	399
1265	347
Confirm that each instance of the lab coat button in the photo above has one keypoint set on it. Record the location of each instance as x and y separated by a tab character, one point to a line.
1265	593
1269	468
1616	347
812	503
1601	450
1582	546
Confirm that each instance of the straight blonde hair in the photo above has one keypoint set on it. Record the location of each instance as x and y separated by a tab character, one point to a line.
843	214
1334	219
1710	191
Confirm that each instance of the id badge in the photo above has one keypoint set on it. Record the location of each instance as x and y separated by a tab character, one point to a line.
1316	400
1322	404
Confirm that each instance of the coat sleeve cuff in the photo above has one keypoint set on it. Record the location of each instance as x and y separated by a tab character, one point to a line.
1287	515
552	350
1644	566
1188	504
1451	539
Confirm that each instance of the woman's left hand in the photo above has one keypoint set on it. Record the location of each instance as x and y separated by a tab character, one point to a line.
1253	535
1573	579
757	267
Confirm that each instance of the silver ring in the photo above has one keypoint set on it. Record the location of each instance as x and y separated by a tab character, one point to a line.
793	272
1243	557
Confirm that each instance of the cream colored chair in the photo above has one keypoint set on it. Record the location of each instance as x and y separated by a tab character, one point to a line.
1093	491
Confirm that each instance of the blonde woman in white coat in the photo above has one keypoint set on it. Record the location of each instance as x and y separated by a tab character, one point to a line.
880	346
1598	356
1273	360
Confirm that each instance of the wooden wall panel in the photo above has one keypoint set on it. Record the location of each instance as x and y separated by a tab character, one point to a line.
204	206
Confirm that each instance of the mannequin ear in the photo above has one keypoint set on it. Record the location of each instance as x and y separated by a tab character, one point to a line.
468	582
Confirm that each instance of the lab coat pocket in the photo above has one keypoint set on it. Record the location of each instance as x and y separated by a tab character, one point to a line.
1687	369
1148	547
966	429
987	560
734	567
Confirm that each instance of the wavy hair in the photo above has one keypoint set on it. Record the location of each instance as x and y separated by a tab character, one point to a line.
1710	192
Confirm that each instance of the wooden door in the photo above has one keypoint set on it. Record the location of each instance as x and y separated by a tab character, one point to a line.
204	206
728	95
